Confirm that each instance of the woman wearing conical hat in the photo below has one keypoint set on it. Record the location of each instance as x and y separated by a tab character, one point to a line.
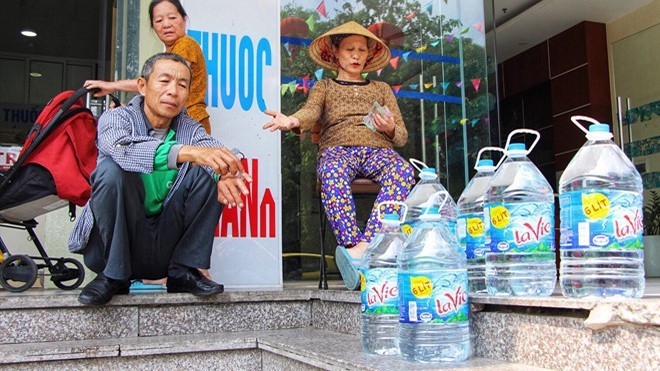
352	142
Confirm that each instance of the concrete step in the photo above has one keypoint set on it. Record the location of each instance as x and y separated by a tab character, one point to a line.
57	315
300	349
554	332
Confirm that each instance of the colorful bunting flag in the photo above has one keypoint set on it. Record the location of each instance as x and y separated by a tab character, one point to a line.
459	83
421	49
435	43
479	26
449	38
292	87
310	22
364	75
394	62
475	84
429	7
445	85
474	122
465	30
413	86
410	16
321	9
379	71
305	84
286	48
405	56
284	88
319	74
396	88
428	85
487	121
463	121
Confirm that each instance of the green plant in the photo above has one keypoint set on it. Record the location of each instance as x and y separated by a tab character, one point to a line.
652	215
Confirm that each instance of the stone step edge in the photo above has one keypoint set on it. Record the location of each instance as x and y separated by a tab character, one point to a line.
69	299
126	347
319	348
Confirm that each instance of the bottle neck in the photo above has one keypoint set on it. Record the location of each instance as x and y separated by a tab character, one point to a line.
390	226
427	176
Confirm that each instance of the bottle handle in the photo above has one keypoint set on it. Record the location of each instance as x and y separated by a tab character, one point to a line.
488	148
434	199
403	206
577	118
524	131
419	165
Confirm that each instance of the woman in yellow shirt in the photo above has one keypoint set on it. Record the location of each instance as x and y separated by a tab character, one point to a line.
168	20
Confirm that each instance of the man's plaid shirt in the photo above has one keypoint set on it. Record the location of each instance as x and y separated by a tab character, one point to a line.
123	138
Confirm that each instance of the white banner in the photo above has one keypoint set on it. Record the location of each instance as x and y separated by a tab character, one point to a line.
241	42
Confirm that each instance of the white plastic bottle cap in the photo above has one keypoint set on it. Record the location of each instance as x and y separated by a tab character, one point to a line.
485	165
599	132
516	149
391	219
428	173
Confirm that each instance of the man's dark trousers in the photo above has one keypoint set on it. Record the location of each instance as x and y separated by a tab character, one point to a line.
125	243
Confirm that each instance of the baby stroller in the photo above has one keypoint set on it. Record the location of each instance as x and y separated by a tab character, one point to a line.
51	171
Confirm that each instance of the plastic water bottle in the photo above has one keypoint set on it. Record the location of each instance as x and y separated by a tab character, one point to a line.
521	237
601	203
419	196
380	291
433	299
470	223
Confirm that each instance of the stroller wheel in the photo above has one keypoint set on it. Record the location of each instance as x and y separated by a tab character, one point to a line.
18	273
68	274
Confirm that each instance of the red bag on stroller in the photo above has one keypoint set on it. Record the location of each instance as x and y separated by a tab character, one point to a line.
52	171
55	163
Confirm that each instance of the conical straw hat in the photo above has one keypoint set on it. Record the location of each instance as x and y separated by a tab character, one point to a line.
321	49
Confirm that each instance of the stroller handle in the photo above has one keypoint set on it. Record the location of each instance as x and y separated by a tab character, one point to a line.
74	97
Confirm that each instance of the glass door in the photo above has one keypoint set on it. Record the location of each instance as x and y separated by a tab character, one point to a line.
637	91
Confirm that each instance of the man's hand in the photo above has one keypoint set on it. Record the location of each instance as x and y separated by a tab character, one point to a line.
230	189
221	160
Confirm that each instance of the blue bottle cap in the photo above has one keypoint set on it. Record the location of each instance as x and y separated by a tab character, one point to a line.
392	217
431	210
599	128
516	147
485	162
428	170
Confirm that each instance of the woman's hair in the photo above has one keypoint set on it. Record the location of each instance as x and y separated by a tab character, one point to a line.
176	4
336	39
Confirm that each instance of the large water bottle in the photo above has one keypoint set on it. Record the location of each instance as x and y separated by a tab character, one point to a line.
601	203
470	222
433	299
417	200
521	237
380	292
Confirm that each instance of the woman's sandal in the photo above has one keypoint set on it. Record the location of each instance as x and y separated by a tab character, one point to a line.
347	267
